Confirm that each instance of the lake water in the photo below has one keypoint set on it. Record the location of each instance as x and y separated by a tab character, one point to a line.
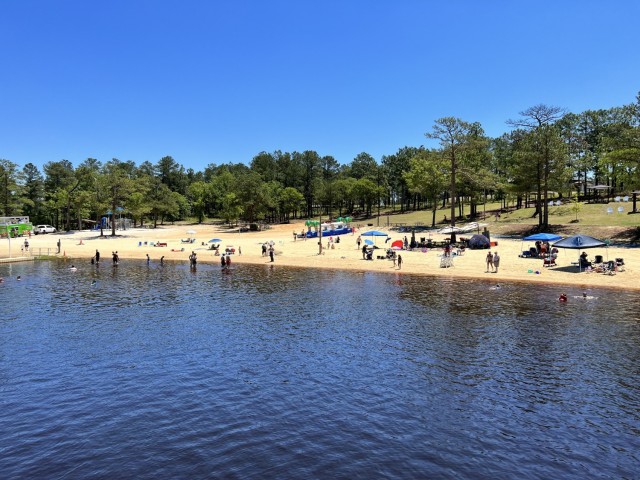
274	372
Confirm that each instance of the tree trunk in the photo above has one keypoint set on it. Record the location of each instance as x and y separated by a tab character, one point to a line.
453	196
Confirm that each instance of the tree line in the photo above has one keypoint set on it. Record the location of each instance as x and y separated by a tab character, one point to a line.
547	153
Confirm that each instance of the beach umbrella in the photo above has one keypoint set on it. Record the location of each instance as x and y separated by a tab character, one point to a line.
215	240
191	232
579	242
397	243
368	242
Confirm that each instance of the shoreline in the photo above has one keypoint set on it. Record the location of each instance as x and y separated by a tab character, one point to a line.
80	246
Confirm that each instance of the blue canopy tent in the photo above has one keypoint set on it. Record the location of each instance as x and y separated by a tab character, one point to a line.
543	237
375	233
580	242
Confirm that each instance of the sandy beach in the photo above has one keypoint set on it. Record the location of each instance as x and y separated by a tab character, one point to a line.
78	248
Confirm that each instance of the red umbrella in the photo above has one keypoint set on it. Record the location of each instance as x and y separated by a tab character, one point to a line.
397	243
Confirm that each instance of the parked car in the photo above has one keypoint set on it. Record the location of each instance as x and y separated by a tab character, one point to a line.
44	229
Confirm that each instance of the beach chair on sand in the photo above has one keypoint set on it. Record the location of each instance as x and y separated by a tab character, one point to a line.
609	268
549	262
446	262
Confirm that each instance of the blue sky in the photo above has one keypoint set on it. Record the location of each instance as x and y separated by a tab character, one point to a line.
217	82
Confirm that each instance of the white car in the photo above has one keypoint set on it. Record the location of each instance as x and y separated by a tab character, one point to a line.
44	229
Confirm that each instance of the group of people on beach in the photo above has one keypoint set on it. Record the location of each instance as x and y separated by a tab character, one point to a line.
493	262
267	249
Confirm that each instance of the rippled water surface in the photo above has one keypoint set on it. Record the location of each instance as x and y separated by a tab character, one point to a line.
160	372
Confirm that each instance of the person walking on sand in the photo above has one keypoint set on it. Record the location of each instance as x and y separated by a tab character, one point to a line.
59	245
295	236
359	241
496	262
489	262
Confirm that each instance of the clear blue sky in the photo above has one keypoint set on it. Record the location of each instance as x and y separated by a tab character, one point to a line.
217	82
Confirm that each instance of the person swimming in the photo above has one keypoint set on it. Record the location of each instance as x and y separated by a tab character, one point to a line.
584	296
563	297
93	283
73	268
18	278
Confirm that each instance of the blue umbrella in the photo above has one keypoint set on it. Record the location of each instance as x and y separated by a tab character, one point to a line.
215	240
369	242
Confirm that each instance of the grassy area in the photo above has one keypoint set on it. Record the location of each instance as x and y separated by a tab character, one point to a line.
589	214
593	219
